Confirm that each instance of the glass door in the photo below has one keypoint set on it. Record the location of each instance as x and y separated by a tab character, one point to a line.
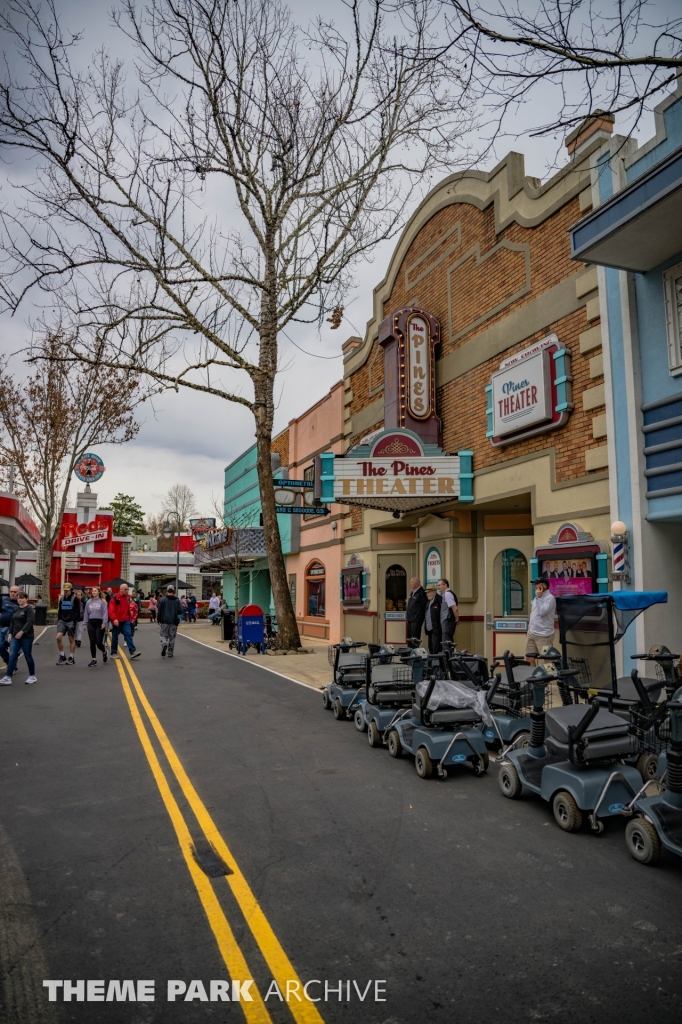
393	591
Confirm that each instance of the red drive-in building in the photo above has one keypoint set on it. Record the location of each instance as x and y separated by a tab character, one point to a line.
87	547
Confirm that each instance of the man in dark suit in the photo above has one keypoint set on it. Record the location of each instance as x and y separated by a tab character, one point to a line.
416	609
432	622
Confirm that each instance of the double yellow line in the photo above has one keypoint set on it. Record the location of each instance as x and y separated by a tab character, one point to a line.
256	1012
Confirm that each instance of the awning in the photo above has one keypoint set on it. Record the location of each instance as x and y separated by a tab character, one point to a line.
630	600
639	227
18	532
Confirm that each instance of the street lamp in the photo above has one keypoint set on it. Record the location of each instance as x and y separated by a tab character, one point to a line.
170	531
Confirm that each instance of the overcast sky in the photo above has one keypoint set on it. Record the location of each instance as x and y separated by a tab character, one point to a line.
190	438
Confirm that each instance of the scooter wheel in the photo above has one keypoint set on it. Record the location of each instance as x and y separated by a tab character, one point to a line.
642	841
567	814
509	782
423	764
373	735
647	765
326	703
522	741
339	710
359	720
481	764
395	747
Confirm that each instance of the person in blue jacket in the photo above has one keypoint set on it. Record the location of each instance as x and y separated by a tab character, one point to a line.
8	606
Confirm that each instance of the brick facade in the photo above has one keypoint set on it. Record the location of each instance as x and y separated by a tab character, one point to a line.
459	269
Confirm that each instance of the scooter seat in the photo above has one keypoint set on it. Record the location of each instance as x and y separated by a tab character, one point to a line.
389	694
446	716
454	716
627	691
618	746
604	726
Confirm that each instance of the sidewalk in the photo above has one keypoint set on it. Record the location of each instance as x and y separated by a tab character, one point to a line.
311	669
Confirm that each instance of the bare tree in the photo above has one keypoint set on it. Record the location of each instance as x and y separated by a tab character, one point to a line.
180	501
50	419
308	142
613	58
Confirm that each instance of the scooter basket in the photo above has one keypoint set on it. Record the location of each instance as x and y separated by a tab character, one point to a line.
518	700
651	735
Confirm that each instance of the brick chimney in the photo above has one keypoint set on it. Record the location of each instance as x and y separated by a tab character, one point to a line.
597	125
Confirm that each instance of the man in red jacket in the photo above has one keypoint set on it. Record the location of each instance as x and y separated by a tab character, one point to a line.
122	613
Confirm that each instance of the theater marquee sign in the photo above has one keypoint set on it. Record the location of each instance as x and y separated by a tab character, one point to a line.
530	393
395	470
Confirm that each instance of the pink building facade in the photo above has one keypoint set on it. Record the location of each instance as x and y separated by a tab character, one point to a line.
315	568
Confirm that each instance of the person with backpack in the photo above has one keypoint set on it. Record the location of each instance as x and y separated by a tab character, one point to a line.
21	633
169	615
122	613
449	612
68	617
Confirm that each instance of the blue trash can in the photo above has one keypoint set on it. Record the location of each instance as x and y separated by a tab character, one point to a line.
250	628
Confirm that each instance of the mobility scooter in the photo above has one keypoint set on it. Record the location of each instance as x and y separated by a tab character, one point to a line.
345	692
391	678
657	820
591	626
512	698
575	759
442	727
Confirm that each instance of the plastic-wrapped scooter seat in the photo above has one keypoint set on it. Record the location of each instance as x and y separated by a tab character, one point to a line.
450	716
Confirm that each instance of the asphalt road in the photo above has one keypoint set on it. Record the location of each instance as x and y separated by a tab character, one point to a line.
342	865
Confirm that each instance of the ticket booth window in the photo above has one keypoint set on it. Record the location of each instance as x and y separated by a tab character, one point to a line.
511	584
396	588
315	586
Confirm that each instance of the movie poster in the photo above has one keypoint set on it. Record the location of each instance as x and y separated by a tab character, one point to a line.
566	576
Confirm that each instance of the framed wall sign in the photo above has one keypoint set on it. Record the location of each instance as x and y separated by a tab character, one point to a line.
530	393
433	566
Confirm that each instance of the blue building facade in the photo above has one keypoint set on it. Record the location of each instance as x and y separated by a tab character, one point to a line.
242	509
634	237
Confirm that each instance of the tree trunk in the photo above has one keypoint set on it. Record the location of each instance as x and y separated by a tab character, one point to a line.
286	617
43	566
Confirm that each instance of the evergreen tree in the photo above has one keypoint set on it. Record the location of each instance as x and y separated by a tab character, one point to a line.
128	516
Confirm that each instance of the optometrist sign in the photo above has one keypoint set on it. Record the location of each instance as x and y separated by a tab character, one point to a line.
530	393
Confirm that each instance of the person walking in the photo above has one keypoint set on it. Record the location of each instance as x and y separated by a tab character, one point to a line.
152	605
21	632
432	619
449	612
68	615
169	614
183	606
137	598
192	608
81	613
416	609
95	620
122	613
8	607
541	621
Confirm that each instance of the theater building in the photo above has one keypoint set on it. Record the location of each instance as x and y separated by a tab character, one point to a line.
474	424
